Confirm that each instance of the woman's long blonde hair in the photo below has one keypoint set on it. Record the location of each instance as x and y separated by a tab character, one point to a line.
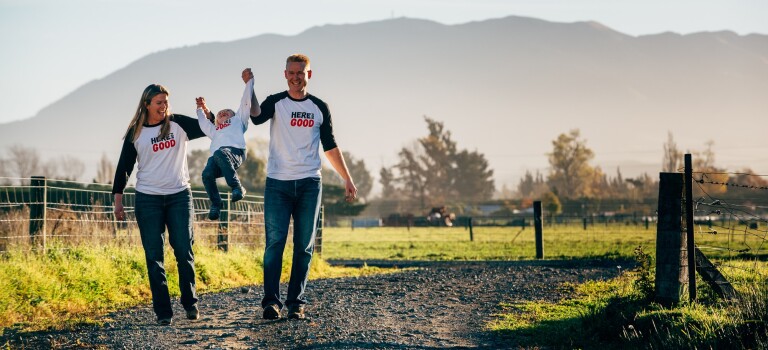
140	117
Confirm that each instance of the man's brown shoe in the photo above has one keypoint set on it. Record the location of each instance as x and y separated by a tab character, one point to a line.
296	312
271	312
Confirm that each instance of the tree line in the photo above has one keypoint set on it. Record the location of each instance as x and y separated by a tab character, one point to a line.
434	171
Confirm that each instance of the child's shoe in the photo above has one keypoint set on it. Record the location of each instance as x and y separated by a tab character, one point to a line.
215	212
238	194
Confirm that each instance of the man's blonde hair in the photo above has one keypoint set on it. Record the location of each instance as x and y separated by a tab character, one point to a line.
297	57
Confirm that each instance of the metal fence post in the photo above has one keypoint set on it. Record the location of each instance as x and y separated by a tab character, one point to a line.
223	237
38	201
537	226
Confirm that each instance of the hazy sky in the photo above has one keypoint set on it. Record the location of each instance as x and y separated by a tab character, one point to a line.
51	47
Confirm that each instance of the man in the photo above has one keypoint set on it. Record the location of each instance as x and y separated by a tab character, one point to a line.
300	123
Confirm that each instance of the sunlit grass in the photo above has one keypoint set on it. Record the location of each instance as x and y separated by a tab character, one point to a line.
614	314
75	284
488	243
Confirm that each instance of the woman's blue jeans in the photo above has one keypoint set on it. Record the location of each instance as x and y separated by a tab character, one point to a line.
283	199
155	213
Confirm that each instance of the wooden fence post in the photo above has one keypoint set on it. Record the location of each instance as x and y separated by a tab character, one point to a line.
537	225
319	233
38	201
671	255
223	237
471	233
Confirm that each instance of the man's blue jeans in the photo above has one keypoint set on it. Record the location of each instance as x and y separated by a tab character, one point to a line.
223	163
283	199
155	213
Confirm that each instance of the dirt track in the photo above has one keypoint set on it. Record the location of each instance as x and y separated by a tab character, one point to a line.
436	306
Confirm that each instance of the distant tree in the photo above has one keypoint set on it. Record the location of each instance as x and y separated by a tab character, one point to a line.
360	175
672	156
335	204
705	170
526	185
70	168
4	170
434	172
473	177
551	205
596	184
618	186
105	170
643	186
439	163
531	186
570	172
387	181
49	169
751	183
4	173
412	176
506	193
747	177
259	146
196	161
600	185
705	159
253	172
23	162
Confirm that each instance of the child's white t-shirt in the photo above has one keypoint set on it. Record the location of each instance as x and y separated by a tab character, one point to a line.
230	133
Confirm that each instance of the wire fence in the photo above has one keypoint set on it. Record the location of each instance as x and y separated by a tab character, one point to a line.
39	214
731	222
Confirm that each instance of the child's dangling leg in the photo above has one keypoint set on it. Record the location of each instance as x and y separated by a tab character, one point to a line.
228	160
210	174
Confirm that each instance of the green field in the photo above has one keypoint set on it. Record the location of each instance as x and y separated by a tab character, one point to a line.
614	241
489	243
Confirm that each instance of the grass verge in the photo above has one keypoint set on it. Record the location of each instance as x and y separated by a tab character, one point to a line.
620	314
74	285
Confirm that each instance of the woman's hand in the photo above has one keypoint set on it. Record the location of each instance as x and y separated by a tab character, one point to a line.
119	209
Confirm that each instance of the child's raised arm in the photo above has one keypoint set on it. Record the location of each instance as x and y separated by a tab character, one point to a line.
203	117
249	99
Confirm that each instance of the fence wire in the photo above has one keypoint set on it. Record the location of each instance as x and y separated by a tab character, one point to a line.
732	228
83	213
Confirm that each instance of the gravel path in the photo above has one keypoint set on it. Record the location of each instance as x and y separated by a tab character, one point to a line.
435	306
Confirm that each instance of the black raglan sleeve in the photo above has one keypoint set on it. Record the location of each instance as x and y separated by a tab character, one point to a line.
190	126
326	128
125	165
267	109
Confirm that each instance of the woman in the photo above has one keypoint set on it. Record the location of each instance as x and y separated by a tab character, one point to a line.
158	140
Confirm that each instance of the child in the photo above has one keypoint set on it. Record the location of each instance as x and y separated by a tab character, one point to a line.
227	145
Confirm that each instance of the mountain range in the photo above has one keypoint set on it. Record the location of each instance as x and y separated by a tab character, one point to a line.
505	87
